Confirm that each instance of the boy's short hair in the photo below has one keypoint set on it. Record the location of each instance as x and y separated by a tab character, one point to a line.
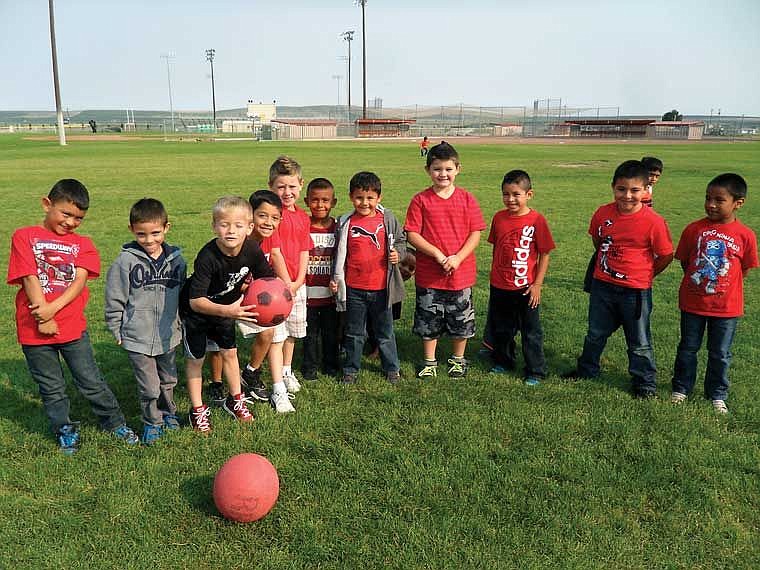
519	177
733	183
652	163
319	184
264	197
631	169
284	166
227	203
365	181
70	190
442	151
148	210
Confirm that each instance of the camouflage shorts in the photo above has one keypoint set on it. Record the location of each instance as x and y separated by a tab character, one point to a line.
437	312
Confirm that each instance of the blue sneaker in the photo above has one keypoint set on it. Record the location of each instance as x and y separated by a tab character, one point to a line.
171	422
125	434
68	438
498	369
151	434
532	381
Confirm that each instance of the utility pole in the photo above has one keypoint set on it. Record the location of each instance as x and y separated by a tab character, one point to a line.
348	36
56	83
210	58
337	107
167	57
363	4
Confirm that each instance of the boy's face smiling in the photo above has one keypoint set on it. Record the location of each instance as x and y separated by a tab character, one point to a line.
365	201
232	227
266	218
288	188
320	201
62	217
515	199
443	173
628	193
150	236
720	205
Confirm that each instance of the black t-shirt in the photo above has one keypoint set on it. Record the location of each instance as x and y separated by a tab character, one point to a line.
220	277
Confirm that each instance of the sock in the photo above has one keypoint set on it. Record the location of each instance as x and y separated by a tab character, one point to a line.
286	370
216	381
251	368
279	388
457	358
431	362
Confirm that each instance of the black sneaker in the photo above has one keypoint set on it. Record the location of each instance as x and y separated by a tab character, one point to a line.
309	375
251	384
458	367
216	394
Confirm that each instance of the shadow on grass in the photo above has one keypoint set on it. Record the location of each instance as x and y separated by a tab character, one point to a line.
19	397
198	493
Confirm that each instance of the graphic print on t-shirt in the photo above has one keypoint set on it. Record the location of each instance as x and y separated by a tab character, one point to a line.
55	264
358	232
607	251
712	263
232	280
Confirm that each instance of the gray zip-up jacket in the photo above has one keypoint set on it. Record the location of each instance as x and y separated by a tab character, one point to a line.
396	240
142	299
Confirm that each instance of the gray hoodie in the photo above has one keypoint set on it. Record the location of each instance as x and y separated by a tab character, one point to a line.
142	299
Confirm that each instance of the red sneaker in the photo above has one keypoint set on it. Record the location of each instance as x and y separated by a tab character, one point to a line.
199	419
236	407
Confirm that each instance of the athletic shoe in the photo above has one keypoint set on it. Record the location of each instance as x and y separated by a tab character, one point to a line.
573	375
457	367
199	419
309	375
291	382
677	398
236	407
215	394
171	422
428	369
349	379
532	381
151	434
393	377
720	406
281	403
125	434
498	369
644	395
68	438
251	384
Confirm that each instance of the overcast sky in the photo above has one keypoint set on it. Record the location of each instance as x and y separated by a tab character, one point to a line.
644	56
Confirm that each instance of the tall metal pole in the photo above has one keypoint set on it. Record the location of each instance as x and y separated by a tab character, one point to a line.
348	36
337	107
167	57
210	58
363	3
58	109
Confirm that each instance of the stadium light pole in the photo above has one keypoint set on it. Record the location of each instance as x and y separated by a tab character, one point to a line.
348	36
210	58
363	4
167	57
56	83
337	107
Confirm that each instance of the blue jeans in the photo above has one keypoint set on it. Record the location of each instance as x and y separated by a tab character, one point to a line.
45	367
508	314
610	307
720	336
358	303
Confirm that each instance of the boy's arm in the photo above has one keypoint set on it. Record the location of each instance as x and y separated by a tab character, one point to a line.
236	310
116	300
661	262
424	246
278	264
452	262
303	266
40	308
534	291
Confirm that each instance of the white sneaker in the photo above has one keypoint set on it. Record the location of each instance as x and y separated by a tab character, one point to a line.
677	398
281	403
291	382
720	406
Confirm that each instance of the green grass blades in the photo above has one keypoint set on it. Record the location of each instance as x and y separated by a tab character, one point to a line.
476	473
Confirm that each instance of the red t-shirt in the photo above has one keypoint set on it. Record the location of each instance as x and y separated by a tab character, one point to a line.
318	274
716	257
629	244
295	238
268	244
366	259
517	243
445	223
53	259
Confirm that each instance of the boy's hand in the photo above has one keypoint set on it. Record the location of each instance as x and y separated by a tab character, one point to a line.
534	295
393	257
241	312
451	263
42	313
333	286
48	327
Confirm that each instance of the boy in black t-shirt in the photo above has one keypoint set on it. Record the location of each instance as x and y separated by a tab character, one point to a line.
211	302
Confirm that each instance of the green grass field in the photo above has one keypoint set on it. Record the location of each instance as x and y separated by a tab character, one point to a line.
480	473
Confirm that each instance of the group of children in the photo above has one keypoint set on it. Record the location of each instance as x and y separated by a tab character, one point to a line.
346	276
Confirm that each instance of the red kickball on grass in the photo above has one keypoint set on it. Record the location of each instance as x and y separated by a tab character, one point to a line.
246	488
272	298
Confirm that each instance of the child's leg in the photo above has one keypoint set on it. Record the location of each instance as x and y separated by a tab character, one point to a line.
357	302
296	324
260	348
279	399
145	369
90	383
167	373
45	367
458	347
429	346
603	320
310	361
330	327
382	325
231	368
504	324
428	321
193	372
685	367
532	338
215	365
636	308
720	337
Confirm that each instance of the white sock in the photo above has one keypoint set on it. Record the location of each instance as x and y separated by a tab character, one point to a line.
286	370
279	388
251	368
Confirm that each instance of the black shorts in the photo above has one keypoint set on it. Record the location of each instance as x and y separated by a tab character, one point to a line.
197	329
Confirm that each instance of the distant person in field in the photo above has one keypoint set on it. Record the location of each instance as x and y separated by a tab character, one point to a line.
654	166
634	245
521	244
424	143
211	302
716	253
366	278
443	224
93	125
52	265
142	297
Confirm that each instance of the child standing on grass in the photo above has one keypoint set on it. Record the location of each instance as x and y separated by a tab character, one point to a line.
521	244
716	253
211	301
142	296
52	264
654	167
443	223
322	325
366	278
633	245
